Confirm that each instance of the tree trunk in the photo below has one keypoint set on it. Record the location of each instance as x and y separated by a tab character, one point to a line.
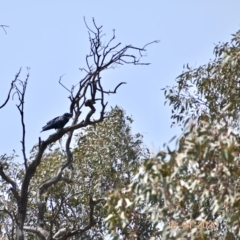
20	222
19	233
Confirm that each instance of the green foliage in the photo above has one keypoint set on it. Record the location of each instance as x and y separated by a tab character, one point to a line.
210	89
199	183
192	192
106	157
7	203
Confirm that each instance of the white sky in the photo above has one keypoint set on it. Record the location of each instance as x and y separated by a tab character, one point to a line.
50	37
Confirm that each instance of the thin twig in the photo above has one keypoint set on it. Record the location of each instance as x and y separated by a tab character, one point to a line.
11	88
21	96
62	84
83	94
3	27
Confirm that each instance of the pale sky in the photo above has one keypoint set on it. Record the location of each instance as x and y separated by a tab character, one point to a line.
50	37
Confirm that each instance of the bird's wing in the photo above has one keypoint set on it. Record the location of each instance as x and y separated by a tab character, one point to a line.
53	120
56	123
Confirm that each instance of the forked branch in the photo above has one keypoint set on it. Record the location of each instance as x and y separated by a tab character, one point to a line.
88	92
101	57
3	27
67	234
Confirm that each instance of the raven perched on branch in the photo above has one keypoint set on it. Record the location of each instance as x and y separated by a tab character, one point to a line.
58	122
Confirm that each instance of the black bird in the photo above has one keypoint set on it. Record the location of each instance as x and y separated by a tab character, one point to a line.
58	122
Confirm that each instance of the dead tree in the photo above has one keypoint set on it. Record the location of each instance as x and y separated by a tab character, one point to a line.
86	93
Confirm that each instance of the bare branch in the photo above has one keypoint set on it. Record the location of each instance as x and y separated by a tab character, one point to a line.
40	232
10	181
43	188
62	84
3	27
21	96
87	25
54	180
91	223
12	218
156	41
101	57
11	88
83	94
8	212
115	90
59	233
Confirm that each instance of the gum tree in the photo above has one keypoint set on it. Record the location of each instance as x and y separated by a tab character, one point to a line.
87	93
193	191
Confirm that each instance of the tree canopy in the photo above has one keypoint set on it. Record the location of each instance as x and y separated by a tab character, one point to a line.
106	157
192	192
96	180
58	192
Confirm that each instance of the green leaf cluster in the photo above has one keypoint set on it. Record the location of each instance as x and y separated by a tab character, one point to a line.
192	192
